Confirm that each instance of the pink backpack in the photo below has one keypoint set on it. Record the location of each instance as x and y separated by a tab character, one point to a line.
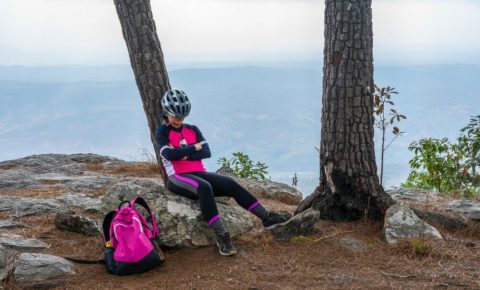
131	244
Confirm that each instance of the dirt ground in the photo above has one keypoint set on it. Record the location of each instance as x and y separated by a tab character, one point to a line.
321	261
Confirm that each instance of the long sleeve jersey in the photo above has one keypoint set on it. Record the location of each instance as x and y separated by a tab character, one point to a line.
168	141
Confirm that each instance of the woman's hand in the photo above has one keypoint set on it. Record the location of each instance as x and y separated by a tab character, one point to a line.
198	146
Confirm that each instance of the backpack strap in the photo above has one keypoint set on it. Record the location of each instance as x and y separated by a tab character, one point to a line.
139	200
107	221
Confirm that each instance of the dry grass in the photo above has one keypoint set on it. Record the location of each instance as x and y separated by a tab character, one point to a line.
51	191
7	166
137	169
320	261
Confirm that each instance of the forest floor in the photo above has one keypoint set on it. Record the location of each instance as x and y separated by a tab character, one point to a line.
340	255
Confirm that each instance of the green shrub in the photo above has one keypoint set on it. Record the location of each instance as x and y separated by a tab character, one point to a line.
243	166
447	167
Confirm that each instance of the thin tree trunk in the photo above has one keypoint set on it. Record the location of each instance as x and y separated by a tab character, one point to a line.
349	187
146	58
383	148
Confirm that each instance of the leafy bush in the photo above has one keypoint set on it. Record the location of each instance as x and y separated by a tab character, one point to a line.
243	166
447	167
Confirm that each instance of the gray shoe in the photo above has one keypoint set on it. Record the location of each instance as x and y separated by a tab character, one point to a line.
225	246
276	218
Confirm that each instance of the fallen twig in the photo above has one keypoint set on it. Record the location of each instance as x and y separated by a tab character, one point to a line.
397	275
329	236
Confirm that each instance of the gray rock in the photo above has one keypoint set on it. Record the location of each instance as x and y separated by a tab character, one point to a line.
20	243
23	206
77	224
32	268
446	220
267	188
402	223
10	224
79	200
469	208
17	179
3	262
301	224
415	195
179	219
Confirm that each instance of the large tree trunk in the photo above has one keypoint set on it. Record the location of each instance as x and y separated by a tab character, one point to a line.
146	58
349	187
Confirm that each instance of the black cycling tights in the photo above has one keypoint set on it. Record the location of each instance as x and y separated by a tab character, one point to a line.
204	186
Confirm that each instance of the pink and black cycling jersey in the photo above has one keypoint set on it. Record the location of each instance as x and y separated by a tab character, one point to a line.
172	151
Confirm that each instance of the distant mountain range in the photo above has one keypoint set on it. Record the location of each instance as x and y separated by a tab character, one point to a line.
271	114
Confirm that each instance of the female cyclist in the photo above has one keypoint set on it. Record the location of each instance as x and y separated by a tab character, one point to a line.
182	148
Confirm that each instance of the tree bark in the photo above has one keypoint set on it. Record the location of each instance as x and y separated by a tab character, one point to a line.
146	58
349	188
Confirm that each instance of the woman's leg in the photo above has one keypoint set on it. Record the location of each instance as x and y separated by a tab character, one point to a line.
197	188
223	185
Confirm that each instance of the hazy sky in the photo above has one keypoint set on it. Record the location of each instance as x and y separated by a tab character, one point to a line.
34	32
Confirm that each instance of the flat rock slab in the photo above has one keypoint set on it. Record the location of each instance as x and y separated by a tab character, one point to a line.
414	195
469	208
20	243
299	225
77	224
32	268
24	206
402	223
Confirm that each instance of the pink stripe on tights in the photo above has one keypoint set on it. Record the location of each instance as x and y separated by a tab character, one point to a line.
213	219
187	180
254	205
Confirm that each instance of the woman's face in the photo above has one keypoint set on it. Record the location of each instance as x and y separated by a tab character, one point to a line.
176	122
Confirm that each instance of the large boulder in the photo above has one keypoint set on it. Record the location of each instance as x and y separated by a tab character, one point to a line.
179	219
402	223
33	269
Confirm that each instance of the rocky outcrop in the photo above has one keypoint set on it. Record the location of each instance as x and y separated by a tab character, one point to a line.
179	219
402	223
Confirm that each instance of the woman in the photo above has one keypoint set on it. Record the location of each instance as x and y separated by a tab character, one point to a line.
182	148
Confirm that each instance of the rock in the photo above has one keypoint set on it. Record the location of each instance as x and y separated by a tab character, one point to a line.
3	262
10	224
226	171
352	243
301	224
469	208
20	243
414	195
267	188
77	224
23	206
449	222
402	223
272	190
79	200
32	268
179	219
